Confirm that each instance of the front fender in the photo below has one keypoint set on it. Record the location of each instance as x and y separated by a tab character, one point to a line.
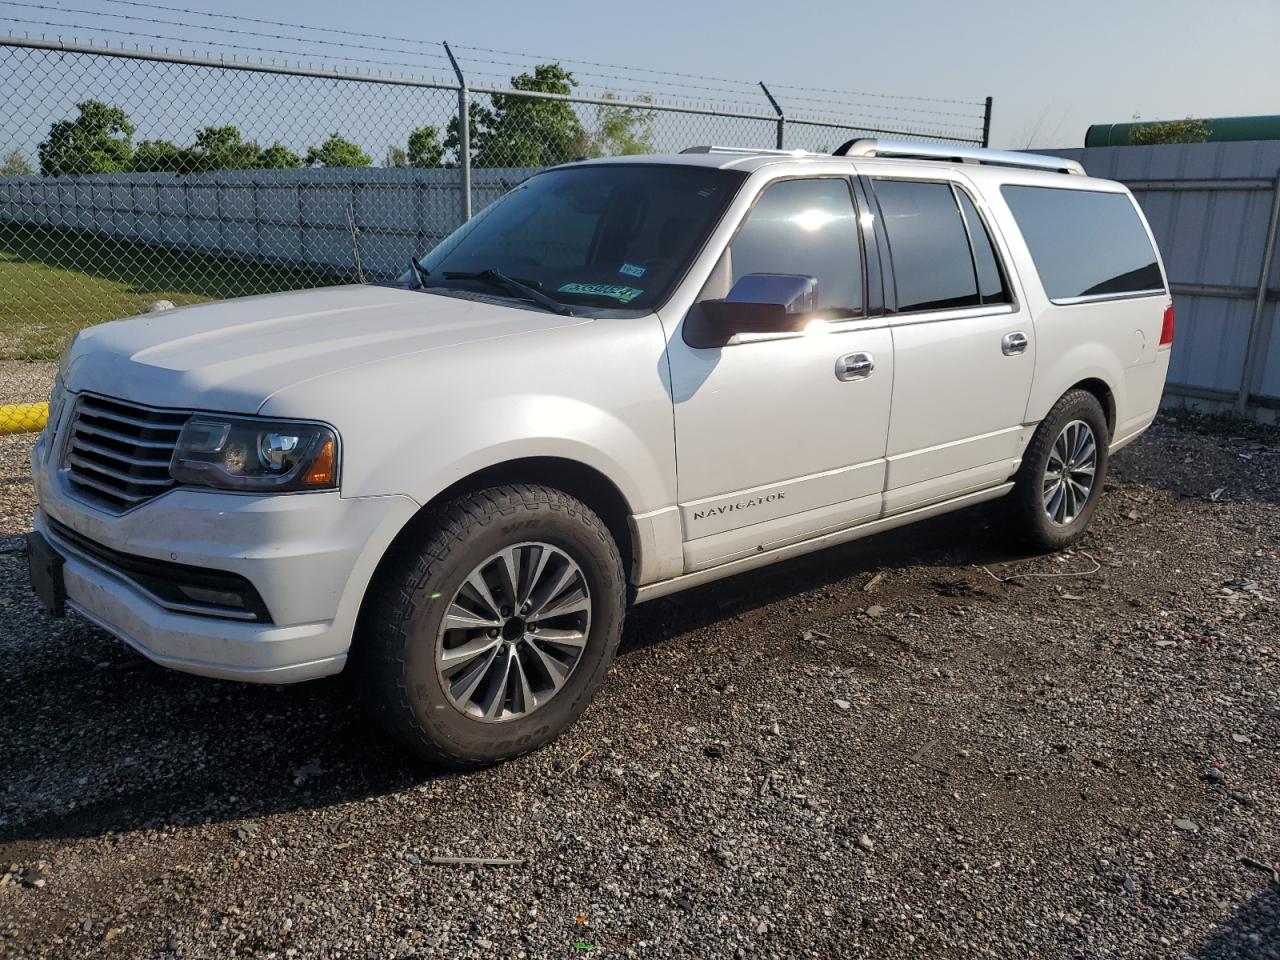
494	432
597	393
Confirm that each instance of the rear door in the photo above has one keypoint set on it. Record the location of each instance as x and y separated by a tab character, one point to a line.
776	439
964	349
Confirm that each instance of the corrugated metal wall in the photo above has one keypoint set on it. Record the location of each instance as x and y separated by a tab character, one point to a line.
1210	205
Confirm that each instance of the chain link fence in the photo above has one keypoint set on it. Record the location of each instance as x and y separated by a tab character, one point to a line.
131	177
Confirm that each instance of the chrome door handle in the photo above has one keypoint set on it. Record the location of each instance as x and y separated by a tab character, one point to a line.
855	366
1014	343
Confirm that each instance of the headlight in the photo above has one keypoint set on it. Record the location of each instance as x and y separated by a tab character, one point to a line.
65	355
236	454
58	394
56	398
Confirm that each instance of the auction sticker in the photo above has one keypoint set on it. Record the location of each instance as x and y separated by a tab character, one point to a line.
614	292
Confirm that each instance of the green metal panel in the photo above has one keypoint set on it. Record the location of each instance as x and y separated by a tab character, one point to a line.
1220	129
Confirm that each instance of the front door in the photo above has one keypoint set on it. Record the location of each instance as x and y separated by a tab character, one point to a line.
780	437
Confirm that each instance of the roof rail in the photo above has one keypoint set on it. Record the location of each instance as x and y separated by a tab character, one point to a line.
908	149
750	151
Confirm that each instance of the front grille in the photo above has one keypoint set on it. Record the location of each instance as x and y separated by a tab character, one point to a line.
117	454
175	586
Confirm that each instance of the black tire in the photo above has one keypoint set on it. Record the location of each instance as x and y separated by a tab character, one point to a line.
393	657
1022	517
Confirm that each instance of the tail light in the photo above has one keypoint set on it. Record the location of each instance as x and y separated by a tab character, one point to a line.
1166	328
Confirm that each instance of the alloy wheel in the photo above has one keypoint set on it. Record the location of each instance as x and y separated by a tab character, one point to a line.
1070	472
514	632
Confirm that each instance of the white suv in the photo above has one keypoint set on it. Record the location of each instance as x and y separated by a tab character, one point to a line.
624	378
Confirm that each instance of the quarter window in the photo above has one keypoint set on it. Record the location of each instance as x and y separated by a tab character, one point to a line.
1085	243
805	227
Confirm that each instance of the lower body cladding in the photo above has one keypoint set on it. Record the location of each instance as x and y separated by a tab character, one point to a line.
305	561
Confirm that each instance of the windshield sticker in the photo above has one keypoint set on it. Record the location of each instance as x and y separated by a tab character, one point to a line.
619	293
631	270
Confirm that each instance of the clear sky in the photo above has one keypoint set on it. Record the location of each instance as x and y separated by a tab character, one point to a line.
1053	68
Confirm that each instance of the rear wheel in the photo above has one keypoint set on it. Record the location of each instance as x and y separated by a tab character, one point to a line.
1063	468
489	635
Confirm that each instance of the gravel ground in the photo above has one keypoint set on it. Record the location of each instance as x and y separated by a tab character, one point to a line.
23	382
883	750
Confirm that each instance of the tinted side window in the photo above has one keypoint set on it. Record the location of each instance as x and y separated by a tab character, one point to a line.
805	227
991	282
932	266
1085	243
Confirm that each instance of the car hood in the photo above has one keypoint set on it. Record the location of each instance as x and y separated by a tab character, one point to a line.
233	355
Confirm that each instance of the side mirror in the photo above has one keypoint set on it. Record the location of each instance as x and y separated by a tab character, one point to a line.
758	303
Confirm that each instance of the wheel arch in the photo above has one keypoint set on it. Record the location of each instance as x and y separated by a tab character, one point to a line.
1104	395
578	479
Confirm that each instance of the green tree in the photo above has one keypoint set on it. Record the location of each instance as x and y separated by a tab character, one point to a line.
395	157
425	148
525	131
1170	131
337	152
99	140
622	131
15	165
216	148
223	148
278	157
161	156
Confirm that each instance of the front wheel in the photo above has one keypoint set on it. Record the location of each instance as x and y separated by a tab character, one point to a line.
1057	487
488	636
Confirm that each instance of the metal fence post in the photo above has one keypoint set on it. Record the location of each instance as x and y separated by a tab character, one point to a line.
464	135
986	124
1250	371
782	120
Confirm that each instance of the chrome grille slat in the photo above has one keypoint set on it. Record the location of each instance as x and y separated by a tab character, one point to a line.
117	453
127	478
98	431
132	421
77	443
81	481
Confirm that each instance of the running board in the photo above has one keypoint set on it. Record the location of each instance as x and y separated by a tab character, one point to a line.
663	588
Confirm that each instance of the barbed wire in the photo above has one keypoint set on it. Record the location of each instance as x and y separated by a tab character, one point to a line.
696	76
62	8
135	19
829	101
891	96
214	43
271	23
615	68
734	107
922	121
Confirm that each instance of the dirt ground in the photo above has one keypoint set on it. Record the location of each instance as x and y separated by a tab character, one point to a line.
916	745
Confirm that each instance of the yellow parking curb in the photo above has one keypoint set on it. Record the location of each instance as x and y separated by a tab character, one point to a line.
22	417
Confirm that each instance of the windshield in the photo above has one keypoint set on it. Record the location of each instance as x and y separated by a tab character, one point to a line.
604	237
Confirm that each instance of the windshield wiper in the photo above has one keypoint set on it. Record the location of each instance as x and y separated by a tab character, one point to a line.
499	279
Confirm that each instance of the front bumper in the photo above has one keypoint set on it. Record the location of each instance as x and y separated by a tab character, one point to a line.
309	556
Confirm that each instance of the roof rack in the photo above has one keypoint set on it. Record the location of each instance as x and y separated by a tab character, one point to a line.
911	150
750	151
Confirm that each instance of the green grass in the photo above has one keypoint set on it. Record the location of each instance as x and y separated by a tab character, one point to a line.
54	283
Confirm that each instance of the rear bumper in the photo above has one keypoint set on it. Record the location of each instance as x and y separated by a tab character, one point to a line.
309	557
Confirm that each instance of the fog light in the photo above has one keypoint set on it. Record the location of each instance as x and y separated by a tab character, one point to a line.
214	598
